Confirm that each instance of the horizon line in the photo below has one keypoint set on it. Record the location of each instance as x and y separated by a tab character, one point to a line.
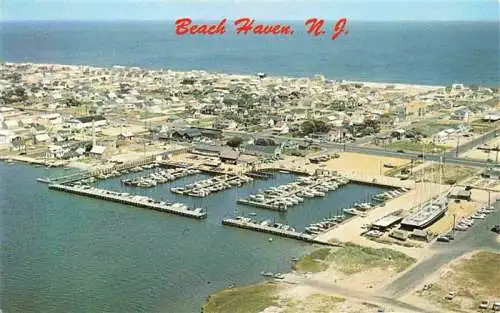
232	18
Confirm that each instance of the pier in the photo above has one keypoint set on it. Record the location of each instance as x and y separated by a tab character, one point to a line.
246	223
206	187
86	174
137	201
259	174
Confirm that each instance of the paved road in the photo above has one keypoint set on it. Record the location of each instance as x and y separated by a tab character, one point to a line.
474	143
448	158
478	236
386	302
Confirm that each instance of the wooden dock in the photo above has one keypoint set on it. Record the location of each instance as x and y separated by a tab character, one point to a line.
113	196
275	231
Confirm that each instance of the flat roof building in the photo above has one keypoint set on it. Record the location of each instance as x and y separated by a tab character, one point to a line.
387	221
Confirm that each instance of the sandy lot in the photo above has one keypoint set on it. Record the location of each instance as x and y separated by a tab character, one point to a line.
363	163
348	162
115	131
455	211
473	277
447	174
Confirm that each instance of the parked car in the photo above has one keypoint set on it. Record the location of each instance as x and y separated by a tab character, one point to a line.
443	239
461	227
496	306
484	304
450	295
468	221
478	216
450	235
496	229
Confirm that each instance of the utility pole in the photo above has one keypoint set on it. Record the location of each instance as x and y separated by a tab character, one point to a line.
454	223
458	143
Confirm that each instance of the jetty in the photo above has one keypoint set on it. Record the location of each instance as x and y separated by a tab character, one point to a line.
135	200
247	223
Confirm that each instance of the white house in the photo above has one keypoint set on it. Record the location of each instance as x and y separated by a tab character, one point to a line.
5	137
10	124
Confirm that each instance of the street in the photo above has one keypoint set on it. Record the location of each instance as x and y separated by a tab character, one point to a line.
479	236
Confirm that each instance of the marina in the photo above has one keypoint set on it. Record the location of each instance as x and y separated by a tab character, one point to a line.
357	209
206	187
135	200
275	229
325	225
159	176
287	195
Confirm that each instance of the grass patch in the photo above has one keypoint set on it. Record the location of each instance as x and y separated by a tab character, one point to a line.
434	128
408	145
313	262
405	167
473	280
437	293
482	272
249	299
451	173
351	259
354	259
483	127
146	115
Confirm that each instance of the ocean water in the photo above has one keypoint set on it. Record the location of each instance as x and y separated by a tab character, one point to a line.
65	253
432	53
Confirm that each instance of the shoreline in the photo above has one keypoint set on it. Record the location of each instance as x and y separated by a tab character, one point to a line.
379	84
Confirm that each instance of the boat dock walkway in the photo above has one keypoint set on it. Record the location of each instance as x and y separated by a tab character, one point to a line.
85	174
137	201
239	223
259	174
378	180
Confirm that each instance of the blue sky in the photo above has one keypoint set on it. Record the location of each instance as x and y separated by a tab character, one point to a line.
369	10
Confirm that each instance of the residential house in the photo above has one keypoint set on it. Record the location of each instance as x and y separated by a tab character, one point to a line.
415	109
186	134
88	121
10	124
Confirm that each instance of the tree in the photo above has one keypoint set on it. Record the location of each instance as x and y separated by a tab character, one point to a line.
265	142
314	126
20	92
235	142
72	102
